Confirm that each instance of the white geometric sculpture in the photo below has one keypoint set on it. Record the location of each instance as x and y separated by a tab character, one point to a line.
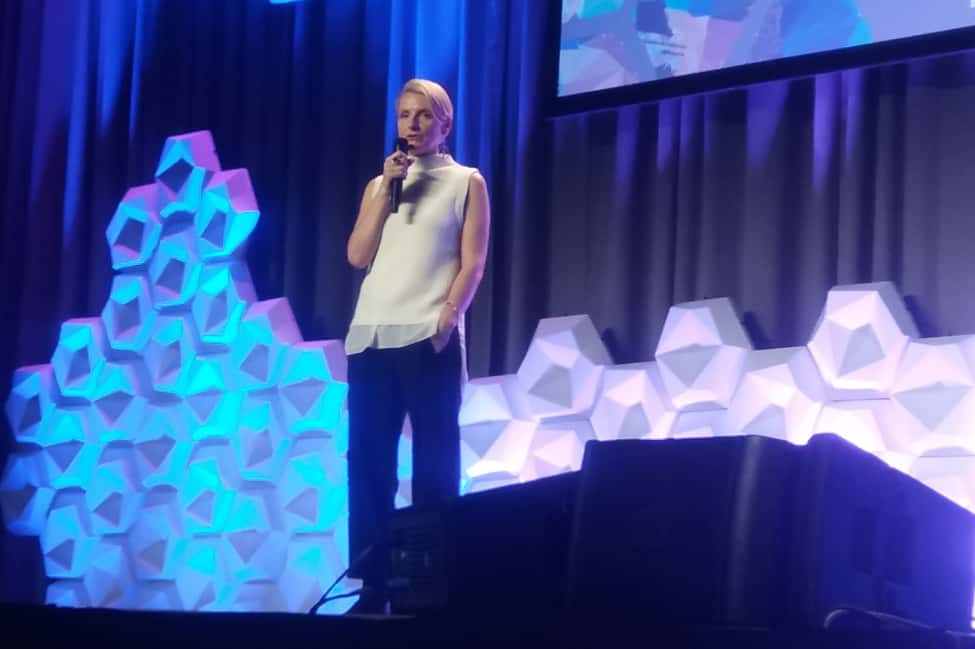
557	447
633	404
780	395
496	432
495	454
179	443
562	368
700	353
933	397
952	477
692	424
862	423
859	339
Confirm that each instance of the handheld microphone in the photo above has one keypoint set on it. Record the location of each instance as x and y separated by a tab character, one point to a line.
394	198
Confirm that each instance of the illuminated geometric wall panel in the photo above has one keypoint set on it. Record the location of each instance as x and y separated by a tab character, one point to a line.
128	316
25	496
311	563
254	545
185	167
114	495
225	292
154	535
261	444
80	351
210	485
228	214
33	395
117	405
174	272
933	397
156	596
169	353
700	354
179	443
68	593
633	404
67	541
859	340
693	424
70	464
266	331
108	580
556	447
952	477
133	233
494	398
862	423
201	580
313	386
780	395
495	453
312	492
562	368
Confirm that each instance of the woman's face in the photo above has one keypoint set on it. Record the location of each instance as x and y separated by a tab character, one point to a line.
417	123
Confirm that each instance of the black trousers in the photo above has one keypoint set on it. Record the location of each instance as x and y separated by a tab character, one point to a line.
385	385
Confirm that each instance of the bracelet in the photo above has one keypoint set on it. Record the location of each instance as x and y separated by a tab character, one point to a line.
451	305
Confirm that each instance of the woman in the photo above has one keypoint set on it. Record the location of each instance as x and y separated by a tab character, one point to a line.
405	342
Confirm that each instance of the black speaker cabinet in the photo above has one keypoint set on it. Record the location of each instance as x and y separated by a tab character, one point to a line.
755	531
727	531
504	549
685	531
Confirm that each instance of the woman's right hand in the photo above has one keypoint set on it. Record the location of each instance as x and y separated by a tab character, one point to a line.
395	166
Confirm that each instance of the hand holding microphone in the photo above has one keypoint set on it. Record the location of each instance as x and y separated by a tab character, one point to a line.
394	169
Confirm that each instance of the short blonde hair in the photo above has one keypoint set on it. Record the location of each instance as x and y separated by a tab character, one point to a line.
443	108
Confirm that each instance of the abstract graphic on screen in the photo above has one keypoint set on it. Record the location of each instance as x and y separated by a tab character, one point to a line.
612	43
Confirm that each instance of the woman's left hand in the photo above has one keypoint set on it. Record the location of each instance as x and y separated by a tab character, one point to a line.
445	327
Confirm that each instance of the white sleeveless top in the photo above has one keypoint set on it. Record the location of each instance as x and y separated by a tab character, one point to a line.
417	260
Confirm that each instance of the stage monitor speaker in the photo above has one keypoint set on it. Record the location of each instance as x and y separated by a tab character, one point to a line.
870	537
755	531
685	531
499	550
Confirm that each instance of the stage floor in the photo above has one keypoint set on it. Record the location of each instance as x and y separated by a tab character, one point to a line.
36	626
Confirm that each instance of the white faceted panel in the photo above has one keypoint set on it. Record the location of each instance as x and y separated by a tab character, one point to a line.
493	398
67	593
859	339
494	454
780	395
201	580
557	447
108	579
952	477
700	423
562	368
24	494
496	432
154	535
633	404
701	353
156	596
933	397
862	423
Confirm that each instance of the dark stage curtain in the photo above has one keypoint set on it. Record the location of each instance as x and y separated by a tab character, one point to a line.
769	194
